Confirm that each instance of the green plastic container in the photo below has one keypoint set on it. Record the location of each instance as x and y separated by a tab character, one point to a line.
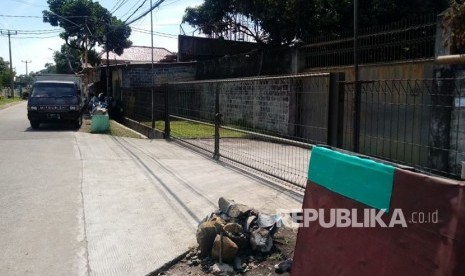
100	123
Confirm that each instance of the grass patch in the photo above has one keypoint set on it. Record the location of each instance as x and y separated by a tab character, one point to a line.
5	102
187	129
115	130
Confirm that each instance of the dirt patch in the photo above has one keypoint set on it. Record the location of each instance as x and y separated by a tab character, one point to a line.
256	264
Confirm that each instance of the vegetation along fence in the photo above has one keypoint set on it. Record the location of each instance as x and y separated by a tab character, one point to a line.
271	123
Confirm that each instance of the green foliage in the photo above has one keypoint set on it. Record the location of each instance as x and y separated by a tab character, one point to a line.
280	21
5	102
454	26
87	24
69	60
24	80
50	68
5	74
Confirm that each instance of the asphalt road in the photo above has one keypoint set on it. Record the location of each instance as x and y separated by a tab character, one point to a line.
41	223
73	203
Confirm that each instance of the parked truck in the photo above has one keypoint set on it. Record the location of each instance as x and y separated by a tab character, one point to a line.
56	98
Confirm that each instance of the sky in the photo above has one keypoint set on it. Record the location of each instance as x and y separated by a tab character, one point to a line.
37	49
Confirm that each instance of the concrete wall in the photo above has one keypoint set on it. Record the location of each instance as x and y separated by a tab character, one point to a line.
420	69
141	75
191	48
457	129
256	63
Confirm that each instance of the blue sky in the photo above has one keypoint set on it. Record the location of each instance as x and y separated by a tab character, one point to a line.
166	20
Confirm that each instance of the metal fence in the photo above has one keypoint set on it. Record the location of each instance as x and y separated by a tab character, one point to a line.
138	103
412	38
271	123
268	124
412	122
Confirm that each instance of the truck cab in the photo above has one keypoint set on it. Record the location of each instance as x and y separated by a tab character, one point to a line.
54	101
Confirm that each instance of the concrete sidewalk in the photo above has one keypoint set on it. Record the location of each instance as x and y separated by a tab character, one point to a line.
143	199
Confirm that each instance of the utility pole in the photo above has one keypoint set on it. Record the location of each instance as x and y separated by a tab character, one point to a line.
9	33
151	71
25	61
107	71
357	92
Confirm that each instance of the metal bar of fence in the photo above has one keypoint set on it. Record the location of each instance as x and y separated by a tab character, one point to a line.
276	138
167	113
395	120
261	135
217	122
351	39
294	76
270	113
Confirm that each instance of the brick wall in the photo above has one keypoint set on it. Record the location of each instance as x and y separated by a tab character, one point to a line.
261	105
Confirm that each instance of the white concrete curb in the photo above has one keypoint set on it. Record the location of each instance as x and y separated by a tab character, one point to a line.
131	130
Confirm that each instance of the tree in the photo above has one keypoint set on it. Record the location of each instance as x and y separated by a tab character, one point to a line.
69	60
281	21
5	74
454	26
87	24
50	68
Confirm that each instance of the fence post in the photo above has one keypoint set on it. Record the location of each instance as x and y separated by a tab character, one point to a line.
336	109
167	111
356	114
153	107
442	102
218	120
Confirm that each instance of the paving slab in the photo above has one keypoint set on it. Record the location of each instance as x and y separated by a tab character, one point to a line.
143	200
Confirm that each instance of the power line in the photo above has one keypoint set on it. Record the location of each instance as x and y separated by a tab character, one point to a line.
25	16
172	2
140	30
122	4
37	16
112	10
49	31
32	37
130	9
29	3
146	12
138	8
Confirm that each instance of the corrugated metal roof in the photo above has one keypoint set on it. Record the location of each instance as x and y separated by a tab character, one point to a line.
137	54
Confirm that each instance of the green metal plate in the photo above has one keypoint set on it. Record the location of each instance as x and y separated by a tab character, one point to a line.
364	180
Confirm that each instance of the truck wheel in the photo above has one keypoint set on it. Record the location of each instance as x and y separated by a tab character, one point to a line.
35	124
78	122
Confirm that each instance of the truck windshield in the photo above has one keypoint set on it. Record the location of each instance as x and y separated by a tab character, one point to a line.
53	90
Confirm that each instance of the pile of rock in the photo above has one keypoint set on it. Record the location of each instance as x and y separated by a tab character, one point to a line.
230	237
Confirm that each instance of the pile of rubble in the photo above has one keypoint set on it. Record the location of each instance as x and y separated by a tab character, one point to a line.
232	238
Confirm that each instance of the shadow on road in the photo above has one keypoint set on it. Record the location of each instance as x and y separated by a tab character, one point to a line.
52	128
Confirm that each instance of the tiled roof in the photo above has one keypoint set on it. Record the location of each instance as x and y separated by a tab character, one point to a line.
137	54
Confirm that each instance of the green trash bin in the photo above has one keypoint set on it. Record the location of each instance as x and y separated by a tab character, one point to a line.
100	123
